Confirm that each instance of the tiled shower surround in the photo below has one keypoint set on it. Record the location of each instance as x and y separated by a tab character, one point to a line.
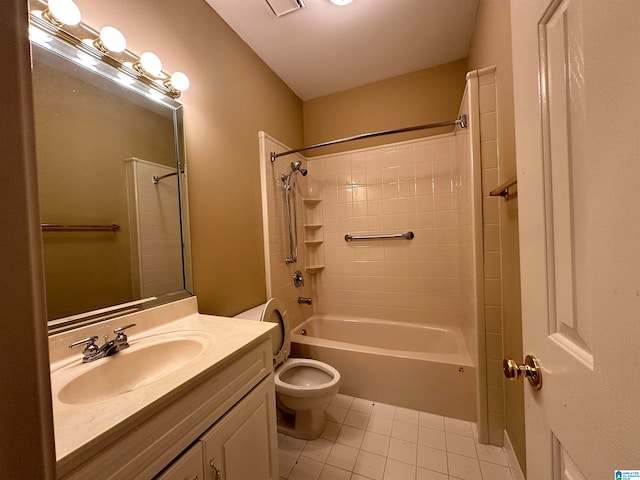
392	189
449	274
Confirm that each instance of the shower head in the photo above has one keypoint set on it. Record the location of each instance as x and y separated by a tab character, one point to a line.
297	167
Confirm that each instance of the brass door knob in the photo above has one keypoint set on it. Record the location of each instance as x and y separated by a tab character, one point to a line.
530	369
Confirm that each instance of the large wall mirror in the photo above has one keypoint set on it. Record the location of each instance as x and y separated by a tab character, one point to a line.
112	188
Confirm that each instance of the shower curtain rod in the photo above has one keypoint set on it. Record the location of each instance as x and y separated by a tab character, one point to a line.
462	121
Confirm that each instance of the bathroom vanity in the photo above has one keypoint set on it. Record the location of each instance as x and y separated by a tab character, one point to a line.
192	397
179	395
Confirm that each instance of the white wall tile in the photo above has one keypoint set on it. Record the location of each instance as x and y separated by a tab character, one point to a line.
489	180
489	153
399	192
495	399
488	128
487	98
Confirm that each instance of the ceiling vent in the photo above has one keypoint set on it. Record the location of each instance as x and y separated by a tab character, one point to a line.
282	7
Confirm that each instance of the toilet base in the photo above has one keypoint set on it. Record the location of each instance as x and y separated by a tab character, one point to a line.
304	424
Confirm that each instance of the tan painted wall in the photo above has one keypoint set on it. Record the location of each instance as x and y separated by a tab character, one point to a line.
233	95
417	98
491	45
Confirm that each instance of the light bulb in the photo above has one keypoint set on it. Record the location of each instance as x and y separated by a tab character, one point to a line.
180	81
151	63
112	39
65	11
341	2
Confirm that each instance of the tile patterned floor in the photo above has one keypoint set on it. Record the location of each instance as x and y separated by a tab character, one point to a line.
366	440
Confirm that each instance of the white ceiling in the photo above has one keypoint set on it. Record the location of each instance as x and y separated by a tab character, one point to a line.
324	48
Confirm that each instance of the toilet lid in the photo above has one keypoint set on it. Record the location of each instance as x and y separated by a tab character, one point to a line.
276	312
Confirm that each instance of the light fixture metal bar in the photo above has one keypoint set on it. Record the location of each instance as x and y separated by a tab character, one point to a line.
462	121
67	34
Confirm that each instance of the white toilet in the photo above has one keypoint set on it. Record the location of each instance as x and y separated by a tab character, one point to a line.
304	387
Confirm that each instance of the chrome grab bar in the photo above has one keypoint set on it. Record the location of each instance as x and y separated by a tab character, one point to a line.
406	235
54	227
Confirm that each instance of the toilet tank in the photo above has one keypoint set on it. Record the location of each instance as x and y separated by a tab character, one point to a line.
252	314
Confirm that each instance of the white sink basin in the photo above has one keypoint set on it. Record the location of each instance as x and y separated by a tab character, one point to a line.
147	360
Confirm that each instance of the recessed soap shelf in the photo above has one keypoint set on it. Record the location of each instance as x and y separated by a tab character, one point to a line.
312	269
313	243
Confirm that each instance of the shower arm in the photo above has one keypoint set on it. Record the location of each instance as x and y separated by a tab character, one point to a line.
463	121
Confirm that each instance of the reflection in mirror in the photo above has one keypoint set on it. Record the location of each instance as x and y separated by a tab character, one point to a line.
112	235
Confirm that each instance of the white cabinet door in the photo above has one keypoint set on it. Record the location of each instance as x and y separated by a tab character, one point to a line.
577	102
188	466
243	444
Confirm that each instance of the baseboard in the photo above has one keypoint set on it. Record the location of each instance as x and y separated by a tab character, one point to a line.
511	457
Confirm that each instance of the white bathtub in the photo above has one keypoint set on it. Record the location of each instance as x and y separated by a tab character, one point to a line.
424	367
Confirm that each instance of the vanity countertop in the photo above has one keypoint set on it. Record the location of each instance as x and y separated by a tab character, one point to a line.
79	426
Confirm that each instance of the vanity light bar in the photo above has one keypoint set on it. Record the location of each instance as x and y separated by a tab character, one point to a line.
147	67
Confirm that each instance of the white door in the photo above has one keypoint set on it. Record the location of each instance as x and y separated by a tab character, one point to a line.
577	99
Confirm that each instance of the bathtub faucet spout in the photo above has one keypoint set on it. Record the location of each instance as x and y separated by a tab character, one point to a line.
306	300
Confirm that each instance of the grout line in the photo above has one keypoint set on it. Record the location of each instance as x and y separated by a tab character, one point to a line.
446	452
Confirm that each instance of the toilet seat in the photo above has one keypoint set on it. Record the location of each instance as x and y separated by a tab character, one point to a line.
304	377
298	377
275	311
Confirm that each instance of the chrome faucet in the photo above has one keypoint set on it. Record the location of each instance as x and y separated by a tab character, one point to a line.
306	300
93	352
